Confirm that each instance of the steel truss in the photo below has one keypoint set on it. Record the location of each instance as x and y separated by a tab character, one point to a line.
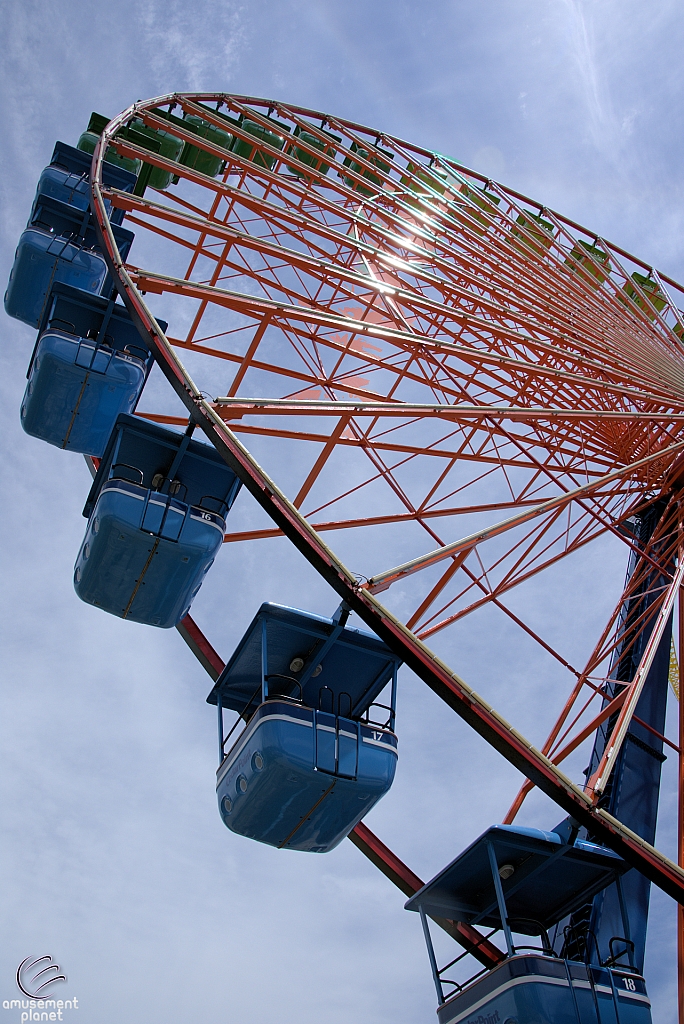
432	346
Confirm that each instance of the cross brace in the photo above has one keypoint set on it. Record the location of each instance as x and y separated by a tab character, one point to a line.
437	675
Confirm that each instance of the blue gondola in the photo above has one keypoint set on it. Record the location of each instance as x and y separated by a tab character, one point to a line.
156	519
310	762
59	245
89	365
67	178
525	881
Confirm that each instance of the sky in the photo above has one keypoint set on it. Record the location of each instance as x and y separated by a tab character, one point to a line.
115	858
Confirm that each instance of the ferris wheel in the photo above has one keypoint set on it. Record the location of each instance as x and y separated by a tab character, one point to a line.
419	354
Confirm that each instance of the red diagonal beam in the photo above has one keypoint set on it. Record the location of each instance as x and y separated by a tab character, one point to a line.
409	883
383	580
582	735
150	281
200	647
437	675
597	783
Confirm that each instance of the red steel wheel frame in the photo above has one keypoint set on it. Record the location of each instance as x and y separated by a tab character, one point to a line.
432	345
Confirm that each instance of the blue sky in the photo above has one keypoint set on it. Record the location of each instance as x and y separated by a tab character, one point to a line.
116	858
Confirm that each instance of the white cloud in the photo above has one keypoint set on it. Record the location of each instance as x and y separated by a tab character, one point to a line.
193	47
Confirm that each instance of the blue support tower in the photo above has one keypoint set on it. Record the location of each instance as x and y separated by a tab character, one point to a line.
634	786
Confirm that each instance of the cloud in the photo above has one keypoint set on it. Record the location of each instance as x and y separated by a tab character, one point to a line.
193	47
583	50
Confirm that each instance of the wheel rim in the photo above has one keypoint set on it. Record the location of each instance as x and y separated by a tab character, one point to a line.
443	350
